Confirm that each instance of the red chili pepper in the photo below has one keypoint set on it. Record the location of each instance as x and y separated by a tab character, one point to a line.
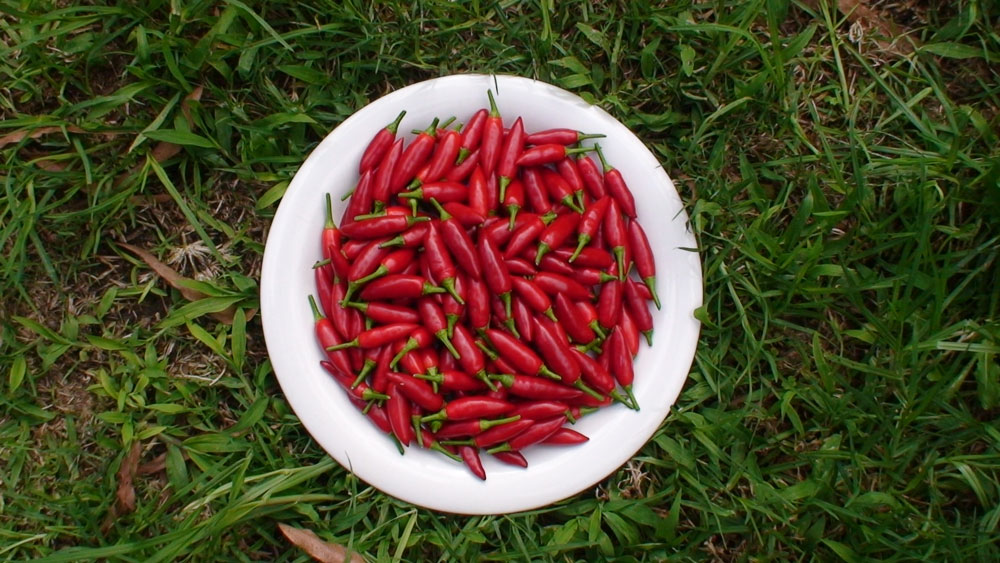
327	336
495	272
643	256
418	391
379	145
513	144
475	406
522	319
392	263
554	284
501	433
590	222
443	191
556	234
465	215
534	190
410	238
378	336
592	177
492	136
470	357
593	373
492	194
477	304
568	170
454	380
539	410
362	200
512	458
386	313
525	234
559	190
558	266
555	351
616	186
381	190
621	363
609	304
380	377
471	134
523	358
464	428
636	304
615	235
548	153
367	260
630	331
332	242
538	432
434	320
514	200
572	320
565	437
459	243
398	286
588	312
442	161
324	287
479	195
533	296
470	456
498	230
559	136
439	260
362	391
460	172
398	409
413	158
535	387
590	257
520	267
411	360
381	226
378	417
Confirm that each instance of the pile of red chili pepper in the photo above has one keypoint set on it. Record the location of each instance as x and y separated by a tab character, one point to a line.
478	295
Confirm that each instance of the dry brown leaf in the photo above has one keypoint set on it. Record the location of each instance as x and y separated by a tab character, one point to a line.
195	96
125	496
158	464
18	136
163	150
320	550
175	280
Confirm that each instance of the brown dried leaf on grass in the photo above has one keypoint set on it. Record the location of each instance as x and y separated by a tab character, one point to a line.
320	550
176	281
889	36
163	150
125	497
18	136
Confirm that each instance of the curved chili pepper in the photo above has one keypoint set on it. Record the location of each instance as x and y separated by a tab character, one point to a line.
439	260
621	363
470	357
510	151
328	336
464	428
489	149
381	226
418	391
362	392
535	387
378	417
559	136
514	200
397	286
429	440
565	437
414	236
459	242
362	200
636	304
418	339
434	319
643	256
556	234
529	231
500	314
498	230
512	458
534	190
465	215
386	313
392	263
453	380
470	456
559	266
414	157
554	284
501	433
590	222
379	144
410	360
548	153
522	319
471	134
571	319
593	178
475	406
442	161
461	172
383	175
538	432
539	410
533	296
398	409
630	331
616	186
559	189
324	287
479	195
380	376
615	235
453	310
593	373
495	272
568	170
367	260
378	336
609	304
589	257
520	267
443	191
522	357
555	351
332	242
477	304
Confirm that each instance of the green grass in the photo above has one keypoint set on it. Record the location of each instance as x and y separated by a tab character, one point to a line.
844	399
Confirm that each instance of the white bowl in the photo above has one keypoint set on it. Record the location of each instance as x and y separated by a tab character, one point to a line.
427	478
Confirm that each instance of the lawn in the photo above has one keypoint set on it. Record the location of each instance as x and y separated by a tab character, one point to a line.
839	163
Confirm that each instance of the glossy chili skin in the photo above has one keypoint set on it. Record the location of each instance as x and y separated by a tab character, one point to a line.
418	391
558	189
512	458
397	286
540	431
554	284
381	226
615	185
593	373
324	288
380	376
489	148
479	195
361	200
384	334
561	136
460	244
539	410
520	267
413	158
642	254
331	242
456	380
556	233
470	455
636	304
328	336
472	133
589	223
398	409
464	214
532	295
630	332
590	257
477	304
511	149
464	428
439	260
534	190
379	145
555	351
615	235
522	357
542	154
570	318
410	238
443	191
495	271
609	304
386	313
565	437
522	319
593	178
461	172
362	391
514	200
526	234
381	190
443	158
530	387
501	433
367	260
470	356
568	170
474	407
